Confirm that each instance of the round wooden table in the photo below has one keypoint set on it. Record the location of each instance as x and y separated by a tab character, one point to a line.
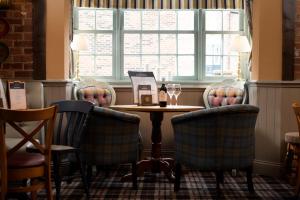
156	163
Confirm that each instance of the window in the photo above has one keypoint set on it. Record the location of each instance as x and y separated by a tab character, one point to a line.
175	44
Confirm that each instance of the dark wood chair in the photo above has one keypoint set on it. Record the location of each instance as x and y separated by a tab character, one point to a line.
70	126
19	166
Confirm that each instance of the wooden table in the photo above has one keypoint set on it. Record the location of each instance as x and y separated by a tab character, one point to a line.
156	163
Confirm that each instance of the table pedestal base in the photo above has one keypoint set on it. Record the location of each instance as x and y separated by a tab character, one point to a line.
155	166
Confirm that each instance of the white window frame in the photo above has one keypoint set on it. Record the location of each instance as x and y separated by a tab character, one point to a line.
199	46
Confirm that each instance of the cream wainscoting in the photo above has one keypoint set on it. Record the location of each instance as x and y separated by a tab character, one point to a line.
57	90
276	117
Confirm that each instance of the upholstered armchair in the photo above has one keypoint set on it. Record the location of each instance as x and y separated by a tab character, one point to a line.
216	139
112	137
99	93
227	92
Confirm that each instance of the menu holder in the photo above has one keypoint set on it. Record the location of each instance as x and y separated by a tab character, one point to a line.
17	95
144	88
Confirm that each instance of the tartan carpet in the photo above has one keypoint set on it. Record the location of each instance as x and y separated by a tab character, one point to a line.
194	185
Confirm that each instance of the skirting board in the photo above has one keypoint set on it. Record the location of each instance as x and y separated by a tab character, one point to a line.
268	168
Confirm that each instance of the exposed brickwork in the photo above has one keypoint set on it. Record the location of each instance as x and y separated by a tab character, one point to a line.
19	64
297	41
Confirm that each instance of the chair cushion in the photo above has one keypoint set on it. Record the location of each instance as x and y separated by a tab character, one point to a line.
225	96
24	159
98	96
292	137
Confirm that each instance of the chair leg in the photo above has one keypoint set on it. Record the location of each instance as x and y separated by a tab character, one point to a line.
134	175
89	171
177	177
249	179
289	159
56	171
83	177
219	175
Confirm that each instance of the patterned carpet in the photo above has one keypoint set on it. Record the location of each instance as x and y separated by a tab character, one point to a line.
194	185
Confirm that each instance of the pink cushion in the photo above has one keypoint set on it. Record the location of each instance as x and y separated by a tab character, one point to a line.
24	159
225	96
98	96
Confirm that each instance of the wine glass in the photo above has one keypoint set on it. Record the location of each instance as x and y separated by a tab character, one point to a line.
177	91
170	91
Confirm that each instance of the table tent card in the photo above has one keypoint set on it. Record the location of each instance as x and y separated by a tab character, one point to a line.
144	88
17	95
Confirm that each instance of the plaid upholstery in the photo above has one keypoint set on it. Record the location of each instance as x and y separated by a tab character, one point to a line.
219	138
98	96
112	137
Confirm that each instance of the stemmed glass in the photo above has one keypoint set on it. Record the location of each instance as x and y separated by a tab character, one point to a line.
177	91
170	91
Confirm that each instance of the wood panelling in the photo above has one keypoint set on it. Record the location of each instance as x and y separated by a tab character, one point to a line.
275	118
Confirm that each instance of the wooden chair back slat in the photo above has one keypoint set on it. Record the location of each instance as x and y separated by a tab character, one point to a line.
296	108
71	116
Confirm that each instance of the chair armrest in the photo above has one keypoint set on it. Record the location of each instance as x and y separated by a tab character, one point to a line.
234	109
106	112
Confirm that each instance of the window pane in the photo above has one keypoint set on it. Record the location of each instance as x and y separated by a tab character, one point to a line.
213	20
150	20
131	63
150	63
90	43
186	43
168	66
132	20
103	66
186	66
150	44
168	43
213	44
228	38
231	20
104	44
86	64
132	44
213	65
86	20
168	20
185	20
230	65
104	20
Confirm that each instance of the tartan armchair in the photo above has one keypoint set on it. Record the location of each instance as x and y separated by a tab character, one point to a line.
111	138
216	139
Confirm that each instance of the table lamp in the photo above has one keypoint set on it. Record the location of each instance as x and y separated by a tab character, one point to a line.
79	43
240	44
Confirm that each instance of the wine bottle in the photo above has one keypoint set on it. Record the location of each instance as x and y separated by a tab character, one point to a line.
162	98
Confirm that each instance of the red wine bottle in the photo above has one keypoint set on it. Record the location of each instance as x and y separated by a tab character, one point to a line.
162	98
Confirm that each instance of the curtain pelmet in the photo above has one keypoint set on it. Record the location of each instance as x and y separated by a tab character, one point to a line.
162	4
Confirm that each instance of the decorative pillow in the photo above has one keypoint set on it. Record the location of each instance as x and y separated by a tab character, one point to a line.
225	96
98	96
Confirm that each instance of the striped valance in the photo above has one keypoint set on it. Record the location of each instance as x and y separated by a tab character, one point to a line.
162	4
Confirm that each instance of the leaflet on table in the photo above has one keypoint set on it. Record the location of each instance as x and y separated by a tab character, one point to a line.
143	78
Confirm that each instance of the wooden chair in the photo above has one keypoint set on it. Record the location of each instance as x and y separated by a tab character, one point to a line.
71	120
293	146
19	166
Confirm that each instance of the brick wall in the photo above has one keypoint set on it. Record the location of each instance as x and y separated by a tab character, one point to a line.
297	41
19	63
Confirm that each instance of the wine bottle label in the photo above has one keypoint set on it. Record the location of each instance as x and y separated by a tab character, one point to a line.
162	96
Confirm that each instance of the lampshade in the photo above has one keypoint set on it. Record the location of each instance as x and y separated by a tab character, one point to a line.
79	43
240	44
